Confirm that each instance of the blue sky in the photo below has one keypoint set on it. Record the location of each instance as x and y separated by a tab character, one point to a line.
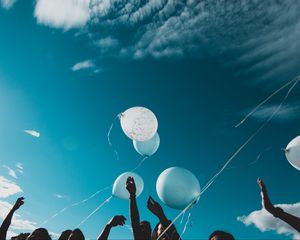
67	69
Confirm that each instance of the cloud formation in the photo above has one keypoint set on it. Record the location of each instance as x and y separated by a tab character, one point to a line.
7	4
264	221
33	133
64	14
11	172
8	188
87	64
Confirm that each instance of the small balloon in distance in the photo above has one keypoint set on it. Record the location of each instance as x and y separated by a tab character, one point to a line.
292	152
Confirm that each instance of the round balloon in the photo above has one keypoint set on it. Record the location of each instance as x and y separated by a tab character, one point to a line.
119	188
177	187
139	123
292	153
149	147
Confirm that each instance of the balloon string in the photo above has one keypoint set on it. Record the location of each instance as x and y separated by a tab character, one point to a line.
140	163
182	218
187	222
94	211
74	204
108	136
210	182
267	99
179	215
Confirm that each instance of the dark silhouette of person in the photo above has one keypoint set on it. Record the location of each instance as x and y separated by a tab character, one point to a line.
21	236
142	230
39	234
277	212
7	221
164	223
220	235
76	235
115	221
65	235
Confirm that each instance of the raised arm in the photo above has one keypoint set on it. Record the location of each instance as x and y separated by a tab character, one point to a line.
115	221
7	221
134	212
157	210
277	212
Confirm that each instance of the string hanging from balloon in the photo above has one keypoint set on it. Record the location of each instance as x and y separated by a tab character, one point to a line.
94	211
109	133
187	221
211	181
266	100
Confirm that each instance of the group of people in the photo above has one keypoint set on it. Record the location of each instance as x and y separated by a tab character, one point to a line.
164	229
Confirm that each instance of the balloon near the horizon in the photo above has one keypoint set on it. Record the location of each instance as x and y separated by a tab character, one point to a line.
177	187
149	147
292	152
119	188
139	123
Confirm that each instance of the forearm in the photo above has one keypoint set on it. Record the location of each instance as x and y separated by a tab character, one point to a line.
135	217
290	219
105	233
5	225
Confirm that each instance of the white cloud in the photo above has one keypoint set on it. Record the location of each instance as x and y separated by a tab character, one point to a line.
264	221
87	64
8	188
60	196
19	167
107	43
7	4
17	222
64	14
287	112
11	172
33	133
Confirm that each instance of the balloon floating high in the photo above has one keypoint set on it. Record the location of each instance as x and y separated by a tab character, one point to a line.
292	153
139	123
149	147
119	188
177	187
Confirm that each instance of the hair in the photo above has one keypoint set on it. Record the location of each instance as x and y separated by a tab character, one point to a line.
76	235
21	236
39	234
221	235
146	229
65	235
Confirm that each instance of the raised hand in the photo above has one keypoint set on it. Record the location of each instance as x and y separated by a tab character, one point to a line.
19	203
266	203
130	186
118	220
154	207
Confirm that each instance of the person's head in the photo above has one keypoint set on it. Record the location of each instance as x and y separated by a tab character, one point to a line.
145	229
39	234
21	236
221	235
65	235
76	235
158	230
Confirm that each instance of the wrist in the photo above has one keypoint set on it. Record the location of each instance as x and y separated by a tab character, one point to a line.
277	212
132	195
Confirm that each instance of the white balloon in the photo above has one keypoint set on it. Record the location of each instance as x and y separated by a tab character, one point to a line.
139	123
149	147
119	188
177	187
292	153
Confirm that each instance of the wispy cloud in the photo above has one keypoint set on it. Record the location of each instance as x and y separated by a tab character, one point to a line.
19	167
287	112
33	133
11	172
64	14
8	188
7	4
87	64
264	221
60	196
